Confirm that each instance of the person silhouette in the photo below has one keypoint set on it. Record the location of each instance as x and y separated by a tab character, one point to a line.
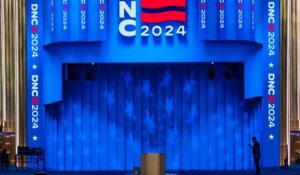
4	159
256	153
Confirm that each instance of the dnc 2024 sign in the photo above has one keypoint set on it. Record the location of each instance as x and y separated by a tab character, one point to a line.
154	16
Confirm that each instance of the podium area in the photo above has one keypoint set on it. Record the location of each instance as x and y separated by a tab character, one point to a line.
153	164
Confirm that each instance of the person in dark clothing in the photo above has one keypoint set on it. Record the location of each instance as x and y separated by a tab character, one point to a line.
256	154
4	159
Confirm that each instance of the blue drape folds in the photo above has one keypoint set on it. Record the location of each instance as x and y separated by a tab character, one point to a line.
129	109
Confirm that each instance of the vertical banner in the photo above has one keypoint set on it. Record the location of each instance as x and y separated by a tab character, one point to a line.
240	8
35	116
221	19
49	16
270	141
102	19
65	19
207	19
253	21
83	19
97	25
243	9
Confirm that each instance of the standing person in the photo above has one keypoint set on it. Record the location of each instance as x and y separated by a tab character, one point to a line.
256	153
5	159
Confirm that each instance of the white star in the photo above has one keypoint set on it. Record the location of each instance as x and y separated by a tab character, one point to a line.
35	138
271	65
271	136
34	66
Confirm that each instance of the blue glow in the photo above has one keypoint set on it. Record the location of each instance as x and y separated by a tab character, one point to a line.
133	104
207	127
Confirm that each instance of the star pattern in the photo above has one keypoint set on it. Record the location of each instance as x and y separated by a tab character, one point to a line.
169	105
153	111
127	78
34	66
129	109
149	123
188	85
166	79
35	138
146	89
111	100
193	113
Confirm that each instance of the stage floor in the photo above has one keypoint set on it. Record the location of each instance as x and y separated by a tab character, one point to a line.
293	170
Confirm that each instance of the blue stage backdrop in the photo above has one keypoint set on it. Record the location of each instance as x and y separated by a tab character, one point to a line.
147	63
199	121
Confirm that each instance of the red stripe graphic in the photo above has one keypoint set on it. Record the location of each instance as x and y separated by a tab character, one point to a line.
83	7
240	6
101	7
271	99
65	7
34	29
222	6
163	16
35	100
271	27
154	4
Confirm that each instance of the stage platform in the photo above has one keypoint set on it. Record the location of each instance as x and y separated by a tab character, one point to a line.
293	170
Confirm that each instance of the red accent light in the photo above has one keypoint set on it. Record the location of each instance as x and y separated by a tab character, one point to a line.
153	4
34	29
163	16
271	27
271	99
65	7
83	7
101	7
35	100
240	6
222	6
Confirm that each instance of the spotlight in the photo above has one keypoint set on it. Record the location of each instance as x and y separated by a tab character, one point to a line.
211	73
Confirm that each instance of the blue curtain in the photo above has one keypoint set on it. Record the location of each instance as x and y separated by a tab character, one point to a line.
112	113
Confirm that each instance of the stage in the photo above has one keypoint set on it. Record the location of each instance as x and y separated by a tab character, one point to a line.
292	170
98	99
